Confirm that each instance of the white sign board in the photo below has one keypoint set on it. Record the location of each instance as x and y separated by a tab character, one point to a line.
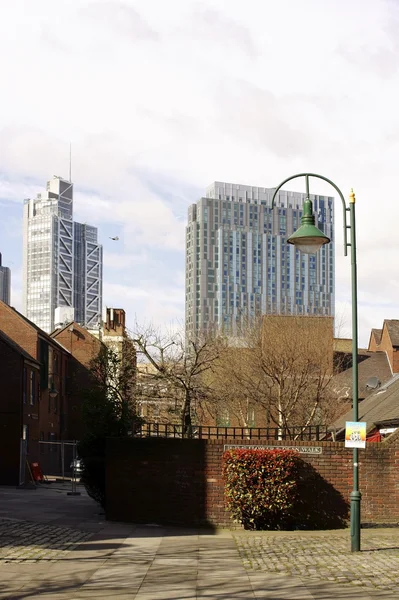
355	434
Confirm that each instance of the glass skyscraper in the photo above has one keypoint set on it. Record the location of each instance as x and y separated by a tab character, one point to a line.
5	283
62	261
238	262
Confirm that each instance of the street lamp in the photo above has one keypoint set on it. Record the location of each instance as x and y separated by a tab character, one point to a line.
309	239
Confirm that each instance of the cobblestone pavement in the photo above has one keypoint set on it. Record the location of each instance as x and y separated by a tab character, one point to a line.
325	556
23	541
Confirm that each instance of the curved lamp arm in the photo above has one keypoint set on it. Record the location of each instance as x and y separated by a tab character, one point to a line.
307	175
355	496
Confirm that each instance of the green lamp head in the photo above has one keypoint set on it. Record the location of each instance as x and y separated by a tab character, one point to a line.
308	238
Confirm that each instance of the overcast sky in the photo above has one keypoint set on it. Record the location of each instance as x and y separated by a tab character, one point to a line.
161	98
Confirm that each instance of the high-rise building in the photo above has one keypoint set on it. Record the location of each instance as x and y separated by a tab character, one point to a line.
238	262
62	261
5	283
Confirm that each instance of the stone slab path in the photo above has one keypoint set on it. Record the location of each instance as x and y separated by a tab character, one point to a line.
58	547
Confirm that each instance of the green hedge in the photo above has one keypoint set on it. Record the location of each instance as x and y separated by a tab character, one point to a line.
261	487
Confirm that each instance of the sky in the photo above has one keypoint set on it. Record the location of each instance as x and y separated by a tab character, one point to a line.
159	99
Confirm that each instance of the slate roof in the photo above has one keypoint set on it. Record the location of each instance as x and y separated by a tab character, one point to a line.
380	407
370	364
392	326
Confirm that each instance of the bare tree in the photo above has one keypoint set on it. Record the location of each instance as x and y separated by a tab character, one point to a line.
284	368
177	370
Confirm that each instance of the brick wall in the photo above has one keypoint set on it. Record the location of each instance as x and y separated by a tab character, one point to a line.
391	352
156	480
83	347
16	410
18	330
180	481
11	368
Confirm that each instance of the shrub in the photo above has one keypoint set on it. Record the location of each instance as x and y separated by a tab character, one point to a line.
261	487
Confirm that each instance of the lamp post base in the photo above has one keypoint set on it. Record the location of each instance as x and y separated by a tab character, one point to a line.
355	521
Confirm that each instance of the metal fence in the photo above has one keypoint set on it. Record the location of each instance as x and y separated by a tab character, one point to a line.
169	430
56	458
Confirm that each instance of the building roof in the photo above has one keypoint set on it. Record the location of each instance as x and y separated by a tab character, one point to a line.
392	326
380	407
377	333
33	326
370	364
17	348
54	333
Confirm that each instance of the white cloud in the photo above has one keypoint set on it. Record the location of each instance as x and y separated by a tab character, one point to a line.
160	99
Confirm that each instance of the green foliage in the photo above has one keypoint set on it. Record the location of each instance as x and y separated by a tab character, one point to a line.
261	487
108	411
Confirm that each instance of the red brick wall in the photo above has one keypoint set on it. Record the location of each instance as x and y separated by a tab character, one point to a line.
18	330
28	337
84	347
81	344
156	481
14	413
142	474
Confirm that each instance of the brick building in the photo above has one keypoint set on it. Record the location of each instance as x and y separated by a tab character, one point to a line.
53	359
82	348
19	409
45	377
387	340
83	345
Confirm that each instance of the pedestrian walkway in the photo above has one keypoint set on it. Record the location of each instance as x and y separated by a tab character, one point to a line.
120	561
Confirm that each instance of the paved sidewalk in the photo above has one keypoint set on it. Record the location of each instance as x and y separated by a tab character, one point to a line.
153	563
317	557
58	547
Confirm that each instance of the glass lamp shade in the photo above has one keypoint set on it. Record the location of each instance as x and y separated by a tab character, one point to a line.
309	245
308	238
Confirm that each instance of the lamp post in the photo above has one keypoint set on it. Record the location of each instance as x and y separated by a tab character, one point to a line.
309	239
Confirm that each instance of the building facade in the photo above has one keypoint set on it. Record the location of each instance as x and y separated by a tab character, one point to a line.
19	409
238	262
48	397
5	283
62	261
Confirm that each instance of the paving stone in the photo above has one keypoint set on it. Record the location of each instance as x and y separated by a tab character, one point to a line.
25	542
325	558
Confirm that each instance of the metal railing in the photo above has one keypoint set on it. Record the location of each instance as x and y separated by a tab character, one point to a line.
57	458
297	432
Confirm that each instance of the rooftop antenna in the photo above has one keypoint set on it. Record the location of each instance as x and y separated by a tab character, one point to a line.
70	162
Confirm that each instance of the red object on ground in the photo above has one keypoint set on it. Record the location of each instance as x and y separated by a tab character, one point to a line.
37	472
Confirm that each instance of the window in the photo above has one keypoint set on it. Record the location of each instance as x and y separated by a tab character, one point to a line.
223	418
24	386
32	388
251	417
25	436
56	363
44	359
